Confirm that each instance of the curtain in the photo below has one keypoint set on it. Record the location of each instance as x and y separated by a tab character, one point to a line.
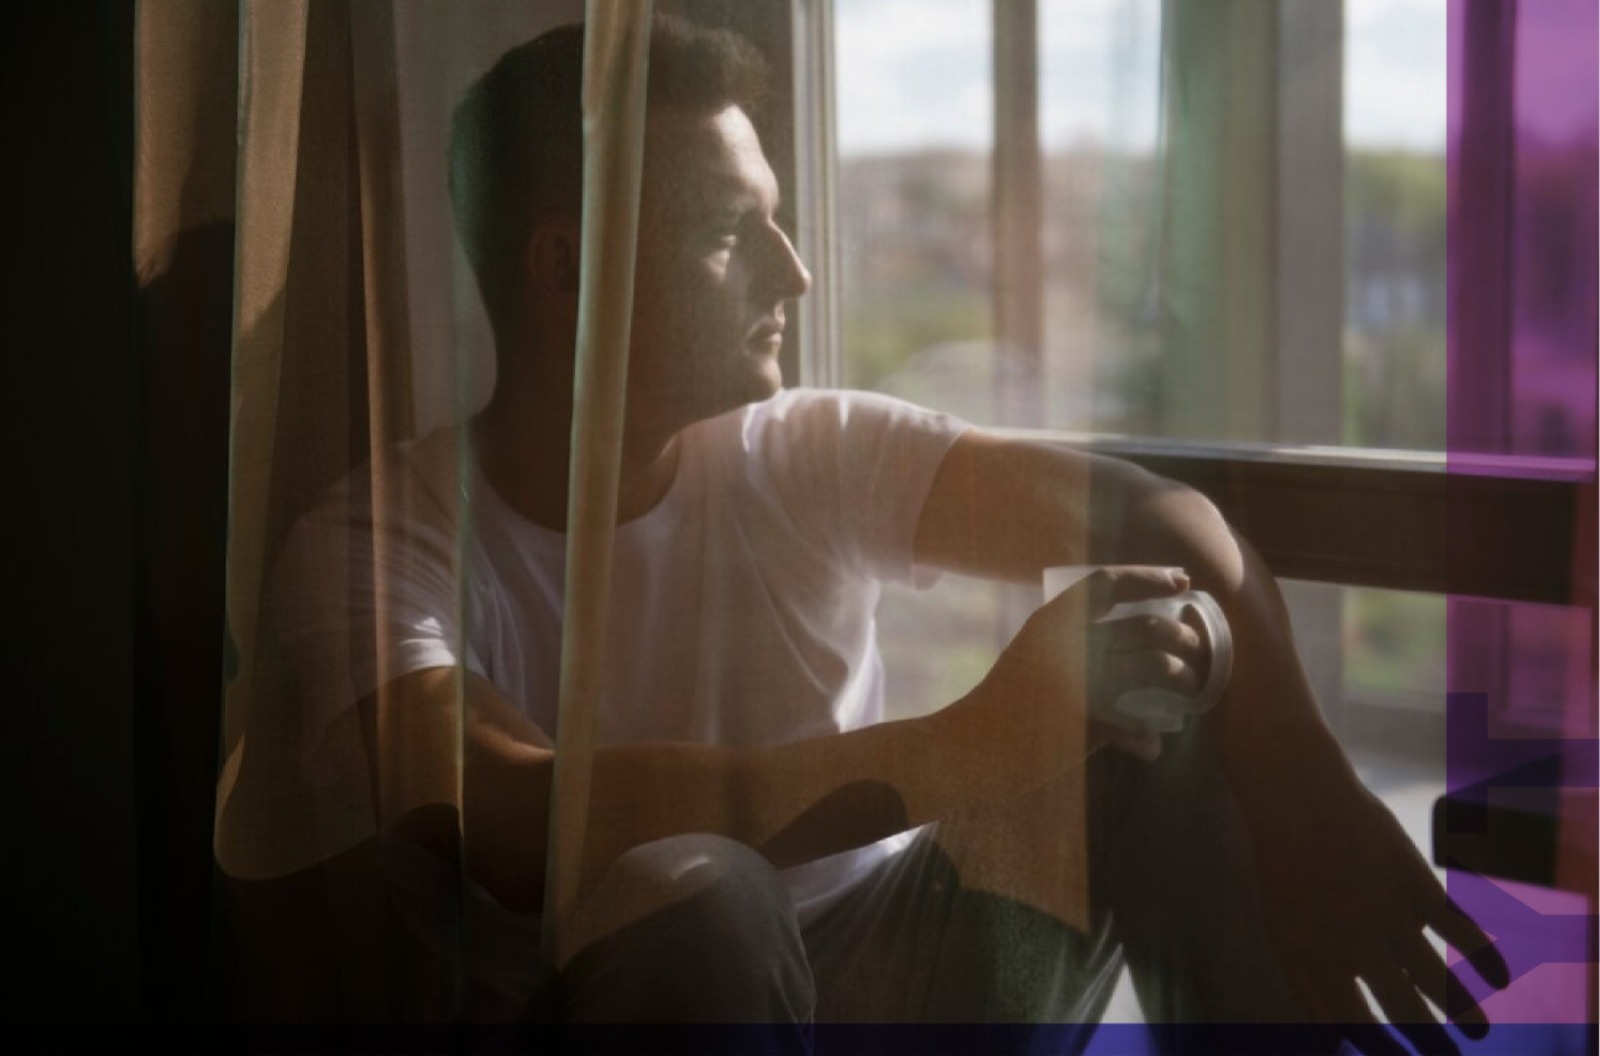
1522	156
300	237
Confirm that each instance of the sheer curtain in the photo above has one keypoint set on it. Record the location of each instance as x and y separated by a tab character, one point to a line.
291	162
301	148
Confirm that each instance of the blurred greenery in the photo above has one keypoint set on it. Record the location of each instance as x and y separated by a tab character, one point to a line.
918	275
1394	340
884	328
1394	641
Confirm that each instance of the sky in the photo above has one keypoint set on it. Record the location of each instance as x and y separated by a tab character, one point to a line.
916	73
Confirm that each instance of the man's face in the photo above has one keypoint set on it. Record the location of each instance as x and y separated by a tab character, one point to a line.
714	270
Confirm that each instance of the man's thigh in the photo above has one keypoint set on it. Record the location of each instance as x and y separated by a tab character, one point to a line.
912	943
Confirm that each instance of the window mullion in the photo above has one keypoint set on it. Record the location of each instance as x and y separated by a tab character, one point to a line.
816	191
1017	189
1308	232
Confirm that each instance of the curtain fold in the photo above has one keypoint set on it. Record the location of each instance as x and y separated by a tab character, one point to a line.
616	70
1220	82
322	377
301	413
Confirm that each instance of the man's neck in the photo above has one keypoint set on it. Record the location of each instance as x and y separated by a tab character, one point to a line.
524	452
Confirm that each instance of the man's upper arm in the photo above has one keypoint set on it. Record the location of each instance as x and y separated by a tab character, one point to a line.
1005	509
363	593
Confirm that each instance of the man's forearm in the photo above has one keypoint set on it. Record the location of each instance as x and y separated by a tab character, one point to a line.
1005	508
792	802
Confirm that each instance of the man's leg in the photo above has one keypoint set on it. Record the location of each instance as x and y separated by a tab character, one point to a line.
970	924
688	930
1176	870
914	944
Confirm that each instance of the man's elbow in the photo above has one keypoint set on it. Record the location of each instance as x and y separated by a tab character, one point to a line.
1171	523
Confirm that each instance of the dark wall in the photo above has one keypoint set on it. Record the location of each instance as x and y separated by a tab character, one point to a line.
73	484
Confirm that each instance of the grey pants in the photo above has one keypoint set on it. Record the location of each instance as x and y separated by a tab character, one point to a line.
699	929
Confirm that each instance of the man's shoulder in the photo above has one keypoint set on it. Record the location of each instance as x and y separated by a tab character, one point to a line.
399	509
407	486
818	413
817	437
800	423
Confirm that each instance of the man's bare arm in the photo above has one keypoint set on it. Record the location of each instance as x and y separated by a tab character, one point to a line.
1008	509
1342	886
795	802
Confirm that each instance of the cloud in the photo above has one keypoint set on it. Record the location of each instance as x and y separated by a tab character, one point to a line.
1394	62
915	74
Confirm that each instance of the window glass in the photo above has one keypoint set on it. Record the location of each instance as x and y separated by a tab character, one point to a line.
1394	224
1555	216
1099	127
1394	646
915	128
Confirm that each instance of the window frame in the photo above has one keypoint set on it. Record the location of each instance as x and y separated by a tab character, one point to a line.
1344	516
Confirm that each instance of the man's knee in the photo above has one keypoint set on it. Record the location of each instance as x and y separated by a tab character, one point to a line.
664	874
693	927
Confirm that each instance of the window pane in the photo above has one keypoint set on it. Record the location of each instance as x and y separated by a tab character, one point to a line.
1100	116
1394	224
915	134
1553	300
1394	646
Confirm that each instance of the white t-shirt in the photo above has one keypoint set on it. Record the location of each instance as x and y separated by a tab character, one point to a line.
742	608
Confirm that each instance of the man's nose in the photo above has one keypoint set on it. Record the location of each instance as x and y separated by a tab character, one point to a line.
784	273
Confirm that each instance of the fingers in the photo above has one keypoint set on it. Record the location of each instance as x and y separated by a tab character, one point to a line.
1139	743
1337	999
1135	633
1404	1007
1114	584
1429	974
1462	932
1145	651
1149	668
1126	654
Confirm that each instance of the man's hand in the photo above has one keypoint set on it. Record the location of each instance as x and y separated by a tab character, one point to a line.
1347	898
1033	708
1345	893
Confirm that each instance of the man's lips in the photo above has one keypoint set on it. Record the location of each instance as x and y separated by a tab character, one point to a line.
766	331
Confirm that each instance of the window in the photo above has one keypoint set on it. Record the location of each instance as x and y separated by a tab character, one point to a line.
1213	238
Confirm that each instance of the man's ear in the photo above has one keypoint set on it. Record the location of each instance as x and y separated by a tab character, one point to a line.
553	259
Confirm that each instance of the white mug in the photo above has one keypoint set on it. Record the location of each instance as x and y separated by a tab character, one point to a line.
1156	709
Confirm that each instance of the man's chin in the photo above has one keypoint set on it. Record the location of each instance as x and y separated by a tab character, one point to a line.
769	379
760	381
757	384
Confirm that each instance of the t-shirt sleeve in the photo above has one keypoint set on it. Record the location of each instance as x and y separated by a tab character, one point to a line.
359	599
859	466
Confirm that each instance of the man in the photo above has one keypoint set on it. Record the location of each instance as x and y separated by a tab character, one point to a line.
762	847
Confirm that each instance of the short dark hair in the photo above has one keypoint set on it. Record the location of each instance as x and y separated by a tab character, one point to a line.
516	141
